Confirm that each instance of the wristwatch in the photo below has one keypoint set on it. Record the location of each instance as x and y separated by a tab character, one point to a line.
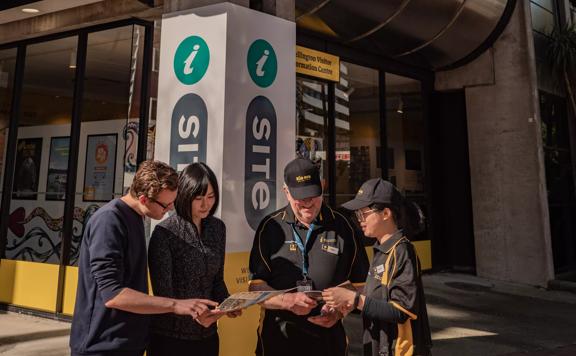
356	300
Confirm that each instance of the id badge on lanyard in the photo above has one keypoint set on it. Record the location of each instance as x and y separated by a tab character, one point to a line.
305	284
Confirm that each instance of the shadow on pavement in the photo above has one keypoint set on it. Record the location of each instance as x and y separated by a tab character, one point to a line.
7	340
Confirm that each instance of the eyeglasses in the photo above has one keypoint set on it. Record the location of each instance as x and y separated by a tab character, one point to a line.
361	215
164	206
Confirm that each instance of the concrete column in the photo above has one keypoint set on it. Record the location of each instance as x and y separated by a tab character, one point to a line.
509	199
285	9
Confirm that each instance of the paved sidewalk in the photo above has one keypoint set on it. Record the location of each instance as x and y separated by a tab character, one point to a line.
476	317
469	316
24	335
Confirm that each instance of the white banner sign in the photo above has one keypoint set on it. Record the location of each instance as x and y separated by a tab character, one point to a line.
227	98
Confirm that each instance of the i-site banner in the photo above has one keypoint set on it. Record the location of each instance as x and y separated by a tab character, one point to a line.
227	98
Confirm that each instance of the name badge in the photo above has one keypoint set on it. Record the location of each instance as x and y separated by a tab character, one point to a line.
379	269
331	249
304	285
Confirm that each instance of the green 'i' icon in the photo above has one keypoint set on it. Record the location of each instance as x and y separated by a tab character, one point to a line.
191	60
262	63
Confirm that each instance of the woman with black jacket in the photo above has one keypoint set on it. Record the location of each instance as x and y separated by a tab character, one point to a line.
186	260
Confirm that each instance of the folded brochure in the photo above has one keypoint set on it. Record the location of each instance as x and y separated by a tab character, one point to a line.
243	300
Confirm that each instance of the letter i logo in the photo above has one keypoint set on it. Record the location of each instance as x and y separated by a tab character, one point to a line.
262	63
191	60
188	69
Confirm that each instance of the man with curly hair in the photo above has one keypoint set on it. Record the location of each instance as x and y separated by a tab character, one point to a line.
111	315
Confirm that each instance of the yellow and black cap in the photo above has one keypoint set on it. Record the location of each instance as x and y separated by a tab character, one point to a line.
303	179
374	191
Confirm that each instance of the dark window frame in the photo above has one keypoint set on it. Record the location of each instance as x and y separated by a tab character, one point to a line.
8	179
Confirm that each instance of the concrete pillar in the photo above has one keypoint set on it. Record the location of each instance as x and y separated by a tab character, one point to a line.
509	198
285	9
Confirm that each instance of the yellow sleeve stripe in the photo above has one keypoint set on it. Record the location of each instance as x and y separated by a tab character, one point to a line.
360	284
405	311
256	282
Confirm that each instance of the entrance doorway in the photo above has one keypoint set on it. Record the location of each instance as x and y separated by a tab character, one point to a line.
453	234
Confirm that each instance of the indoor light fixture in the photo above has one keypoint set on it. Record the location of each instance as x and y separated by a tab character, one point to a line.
30	10
400	109
72	62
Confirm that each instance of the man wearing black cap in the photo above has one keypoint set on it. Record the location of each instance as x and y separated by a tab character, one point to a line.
308	246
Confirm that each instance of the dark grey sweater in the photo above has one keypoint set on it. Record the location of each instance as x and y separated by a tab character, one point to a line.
184	265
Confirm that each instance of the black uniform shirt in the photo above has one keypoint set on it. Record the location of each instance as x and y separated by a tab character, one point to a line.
334	252
394	314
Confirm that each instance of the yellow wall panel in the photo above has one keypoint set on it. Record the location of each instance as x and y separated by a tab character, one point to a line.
238	336
70	285
29	284
424	251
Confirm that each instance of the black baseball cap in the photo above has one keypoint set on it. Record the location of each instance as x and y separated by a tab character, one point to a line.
374	191
303	179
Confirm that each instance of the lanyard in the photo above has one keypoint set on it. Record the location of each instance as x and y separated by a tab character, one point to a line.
302	247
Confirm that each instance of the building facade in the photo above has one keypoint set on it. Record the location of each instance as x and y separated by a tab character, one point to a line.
454	102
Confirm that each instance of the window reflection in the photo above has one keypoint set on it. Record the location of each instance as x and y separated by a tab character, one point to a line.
312	123
110	119
357	129
406	136
41	158
7	67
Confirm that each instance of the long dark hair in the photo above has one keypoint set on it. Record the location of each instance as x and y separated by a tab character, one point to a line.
406	214
193	182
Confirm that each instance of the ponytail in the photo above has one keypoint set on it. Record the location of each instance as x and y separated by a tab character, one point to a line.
413	219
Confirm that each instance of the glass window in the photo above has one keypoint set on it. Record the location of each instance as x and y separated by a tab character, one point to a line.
559	180
406	137
312	123
7	67
41	158
109	129
543	19
546	4
357	129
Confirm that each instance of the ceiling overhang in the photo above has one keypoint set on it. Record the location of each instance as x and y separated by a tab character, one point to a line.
437	34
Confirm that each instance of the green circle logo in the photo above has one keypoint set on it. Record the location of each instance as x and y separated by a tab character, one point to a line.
191	60
262	63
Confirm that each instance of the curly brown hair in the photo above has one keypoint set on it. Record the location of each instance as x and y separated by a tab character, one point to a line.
151	178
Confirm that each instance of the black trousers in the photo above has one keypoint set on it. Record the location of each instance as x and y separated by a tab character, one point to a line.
285	338
168	346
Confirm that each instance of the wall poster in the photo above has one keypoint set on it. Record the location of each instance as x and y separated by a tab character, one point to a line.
57	168
100	168
28	158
